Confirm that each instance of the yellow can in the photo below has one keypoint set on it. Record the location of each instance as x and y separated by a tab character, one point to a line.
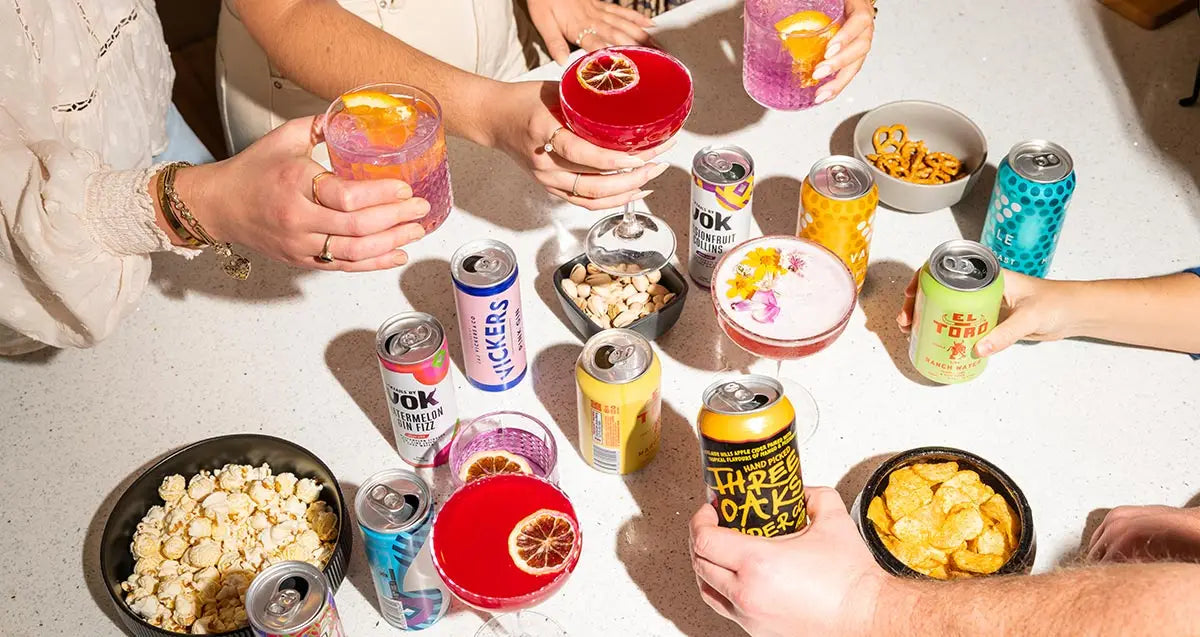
751	456
837	210
619	377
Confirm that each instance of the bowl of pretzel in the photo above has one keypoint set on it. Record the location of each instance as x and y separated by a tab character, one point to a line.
924	156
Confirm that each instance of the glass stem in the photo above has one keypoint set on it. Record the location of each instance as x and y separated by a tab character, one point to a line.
779	370
630	227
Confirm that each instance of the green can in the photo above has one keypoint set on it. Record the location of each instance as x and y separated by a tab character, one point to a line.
958	302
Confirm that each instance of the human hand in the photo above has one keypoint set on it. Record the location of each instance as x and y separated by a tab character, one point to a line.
577	171
847	50
821	581
590	24
1147	533
1037	310
262	198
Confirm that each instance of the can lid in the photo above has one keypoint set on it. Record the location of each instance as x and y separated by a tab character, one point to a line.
841	177
286	597
742	395
482	263
616	356
1041	161
409	338
392	500
963	265
722	165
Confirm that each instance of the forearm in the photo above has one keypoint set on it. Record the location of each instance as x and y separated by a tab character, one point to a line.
328	50
1143	599
1162	312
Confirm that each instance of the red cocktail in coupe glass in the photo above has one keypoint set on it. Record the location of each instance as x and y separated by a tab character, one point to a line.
505	543
782	297
627	98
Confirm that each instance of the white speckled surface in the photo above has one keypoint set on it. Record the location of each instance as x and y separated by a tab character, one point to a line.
1080	426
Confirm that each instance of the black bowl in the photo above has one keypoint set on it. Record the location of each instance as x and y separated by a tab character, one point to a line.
651	326
991	475
116	562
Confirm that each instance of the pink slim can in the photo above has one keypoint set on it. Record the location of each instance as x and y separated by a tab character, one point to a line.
488	299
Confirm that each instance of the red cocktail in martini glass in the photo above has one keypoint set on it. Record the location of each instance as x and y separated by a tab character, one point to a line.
627	98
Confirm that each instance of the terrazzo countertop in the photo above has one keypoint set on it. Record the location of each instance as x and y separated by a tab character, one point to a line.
1081	426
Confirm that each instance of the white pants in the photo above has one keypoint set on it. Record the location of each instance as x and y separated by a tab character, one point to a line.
487	37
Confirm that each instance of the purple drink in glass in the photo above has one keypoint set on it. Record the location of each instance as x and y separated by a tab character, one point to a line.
785	40
377	142
520	438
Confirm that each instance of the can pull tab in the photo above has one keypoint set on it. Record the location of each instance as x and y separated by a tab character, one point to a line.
397	507
717	162
610	356
965	266
481	264
736	397
1046	160
842	179
409	339
283	604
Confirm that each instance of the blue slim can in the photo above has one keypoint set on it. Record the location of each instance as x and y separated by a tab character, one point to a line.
395	514
1034	184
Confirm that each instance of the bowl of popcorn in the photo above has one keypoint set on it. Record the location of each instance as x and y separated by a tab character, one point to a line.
945	513
185	540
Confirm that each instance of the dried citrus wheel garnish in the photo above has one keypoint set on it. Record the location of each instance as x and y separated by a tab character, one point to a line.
607	73
542	542
387	120
798	33
486	463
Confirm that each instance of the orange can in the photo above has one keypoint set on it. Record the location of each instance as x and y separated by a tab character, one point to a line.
837	210
751	458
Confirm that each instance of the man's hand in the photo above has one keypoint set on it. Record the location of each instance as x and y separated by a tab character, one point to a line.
592	24
1146	534
821	581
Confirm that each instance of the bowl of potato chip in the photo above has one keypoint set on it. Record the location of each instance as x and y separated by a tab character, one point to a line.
944	514
924	156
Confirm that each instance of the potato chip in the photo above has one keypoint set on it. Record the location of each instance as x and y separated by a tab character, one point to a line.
963	523
947	497
914	555
976	563
907	478
906	493
920	525
877	513
968	481
990	542
997	510
937	472
938	572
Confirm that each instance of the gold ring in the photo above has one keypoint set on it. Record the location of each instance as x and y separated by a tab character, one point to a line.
574	186
316	180
326	256
549	145
583	34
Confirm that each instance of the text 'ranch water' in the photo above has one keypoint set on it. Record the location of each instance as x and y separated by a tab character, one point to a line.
722	189
488	297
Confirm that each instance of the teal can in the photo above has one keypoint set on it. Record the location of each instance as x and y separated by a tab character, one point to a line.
1029	202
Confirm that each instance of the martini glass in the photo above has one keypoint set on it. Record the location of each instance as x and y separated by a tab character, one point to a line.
490	524
627	98
783	298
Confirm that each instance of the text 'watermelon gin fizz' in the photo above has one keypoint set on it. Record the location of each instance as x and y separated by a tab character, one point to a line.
785	40
392	131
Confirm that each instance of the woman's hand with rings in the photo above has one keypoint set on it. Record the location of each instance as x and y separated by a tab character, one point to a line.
590	24
266	198
524	125
847	51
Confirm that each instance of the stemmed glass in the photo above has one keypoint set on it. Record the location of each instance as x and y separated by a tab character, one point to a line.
782	298
504	543
627	98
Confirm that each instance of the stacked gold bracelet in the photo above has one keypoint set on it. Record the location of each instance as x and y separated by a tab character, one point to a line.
184	224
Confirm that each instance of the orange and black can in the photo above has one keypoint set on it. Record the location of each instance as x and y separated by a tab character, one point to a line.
751	456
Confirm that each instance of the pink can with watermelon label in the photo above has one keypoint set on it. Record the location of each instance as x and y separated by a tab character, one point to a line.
417	381
488	297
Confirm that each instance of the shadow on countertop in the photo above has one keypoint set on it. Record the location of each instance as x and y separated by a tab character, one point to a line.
856	478
350	360
881	299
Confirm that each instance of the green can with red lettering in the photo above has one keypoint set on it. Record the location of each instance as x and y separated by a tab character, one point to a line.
958	301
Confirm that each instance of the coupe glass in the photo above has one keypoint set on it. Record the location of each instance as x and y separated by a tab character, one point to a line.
645	115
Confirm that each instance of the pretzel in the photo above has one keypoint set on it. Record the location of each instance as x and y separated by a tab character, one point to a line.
910	160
